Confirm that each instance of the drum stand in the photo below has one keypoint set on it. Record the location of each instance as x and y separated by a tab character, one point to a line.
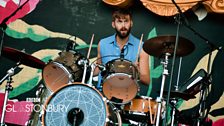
93	66
175	100
159	99
8	88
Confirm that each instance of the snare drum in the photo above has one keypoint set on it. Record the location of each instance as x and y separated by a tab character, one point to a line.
120	81
79	104
63	70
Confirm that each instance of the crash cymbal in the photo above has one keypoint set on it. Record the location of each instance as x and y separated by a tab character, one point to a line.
22	57
177	94
160	45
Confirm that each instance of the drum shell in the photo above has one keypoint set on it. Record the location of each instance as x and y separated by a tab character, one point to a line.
120	81
63	70
141	105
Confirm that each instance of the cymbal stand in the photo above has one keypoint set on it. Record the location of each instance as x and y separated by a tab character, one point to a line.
8	88
159	99
175	100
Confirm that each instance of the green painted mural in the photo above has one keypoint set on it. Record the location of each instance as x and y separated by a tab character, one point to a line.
47	30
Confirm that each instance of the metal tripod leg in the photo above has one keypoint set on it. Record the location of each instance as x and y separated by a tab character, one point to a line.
159	99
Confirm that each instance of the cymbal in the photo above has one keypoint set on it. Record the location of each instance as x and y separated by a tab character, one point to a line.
159	46
22	57
177	94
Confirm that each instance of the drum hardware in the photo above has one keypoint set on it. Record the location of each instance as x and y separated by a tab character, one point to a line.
71	45
39	91
175	94
160	98
42	93
212	47
166	46
85	63
203	94
8	88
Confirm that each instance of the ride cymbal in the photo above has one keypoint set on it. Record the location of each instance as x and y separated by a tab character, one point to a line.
159	46
22	57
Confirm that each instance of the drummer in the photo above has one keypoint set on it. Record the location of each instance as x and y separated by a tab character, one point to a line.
124	45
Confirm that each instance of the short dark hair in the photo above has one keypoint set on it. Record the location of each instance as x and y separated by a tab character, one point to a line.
121	12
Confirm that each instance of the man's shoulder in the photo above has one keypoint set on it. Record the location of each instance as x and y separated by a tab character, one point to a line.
107	39
134	37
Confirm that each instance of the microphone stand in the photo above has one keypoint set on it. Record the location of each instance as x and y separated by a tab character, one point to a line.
178	20
4	26
8	88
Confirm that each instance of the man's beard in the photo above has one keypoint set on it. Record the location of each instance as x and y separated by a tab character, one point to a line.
122	36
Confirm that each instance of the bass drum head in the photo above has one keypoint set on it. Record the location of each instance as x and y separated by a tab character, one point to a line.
75	102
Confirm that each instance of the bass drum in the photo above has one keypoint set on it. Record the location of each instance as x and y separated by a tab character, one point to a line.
63	70
79	104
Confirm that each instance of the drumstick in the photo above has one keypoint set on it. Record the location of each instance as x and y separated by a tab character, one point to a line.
85	65
139	46
90	46
150	111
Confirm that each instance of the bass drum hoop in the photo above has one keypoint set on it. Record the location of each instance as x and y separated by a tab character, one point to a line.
85	85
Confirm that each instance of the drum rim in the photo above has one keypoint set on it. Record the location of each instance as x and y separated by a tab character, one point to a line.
122	103
114	74
72	84
119	59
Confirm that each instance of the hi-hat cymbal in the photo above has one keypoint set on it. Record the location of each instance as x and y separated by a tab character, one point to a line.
177	94
159	46
22	57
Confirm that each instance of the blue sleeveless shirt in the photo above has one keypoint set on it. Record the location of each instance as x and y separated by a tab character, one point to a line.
110	50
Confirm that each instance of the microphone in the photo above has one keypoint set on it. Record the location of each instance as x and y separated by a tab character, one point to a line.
122	54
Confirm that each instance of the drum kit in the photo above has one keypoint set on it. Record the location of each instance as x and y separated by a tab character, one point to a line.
68	99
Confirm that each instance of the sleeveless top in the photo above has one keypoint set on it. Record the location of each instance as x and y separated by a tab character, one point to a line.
109	50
